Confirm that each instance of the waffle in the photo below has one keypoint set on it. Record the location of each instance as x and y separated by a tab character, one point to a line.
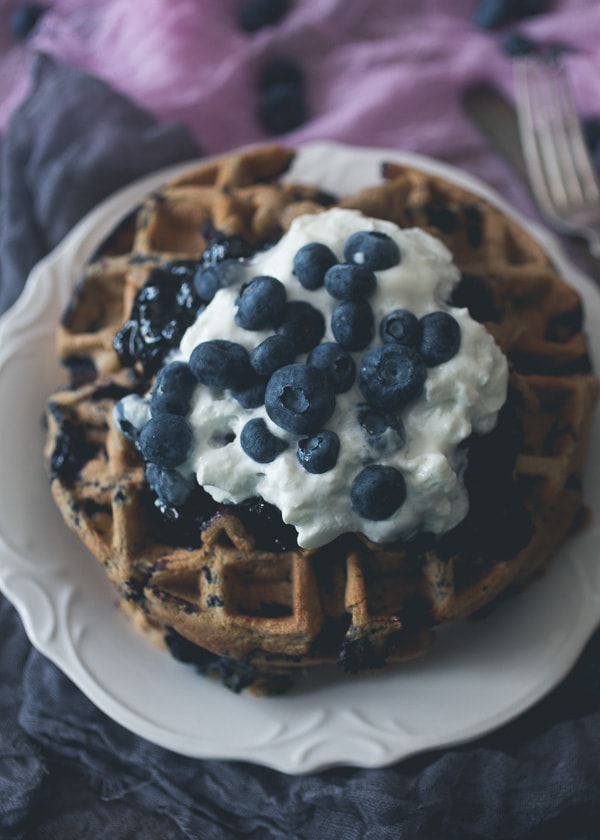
226	587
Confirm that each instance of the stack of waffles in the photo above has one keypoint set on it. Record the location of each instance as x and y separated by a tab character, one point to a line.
227	587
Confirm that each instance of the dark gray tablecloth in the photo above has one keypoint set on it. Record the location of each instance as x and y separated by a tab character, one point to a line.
67	771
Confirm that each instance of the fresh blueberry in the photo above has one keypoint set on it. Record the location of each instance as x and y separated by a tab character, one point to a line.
372	249
400	327
210	278
377	492
318	453
221	364
338	363
260	303
130	415
391	375
299	398
350	282
259	443
253	15
311	262
353	324
303	324
384	431
24	19
282	108
173	389
516	44
280	71
492	14
172	488
166	440
274	352
528	8
252	394
440	338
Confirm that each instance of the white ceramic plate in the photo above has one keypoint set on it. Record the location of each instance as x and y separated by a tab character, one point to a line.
477	676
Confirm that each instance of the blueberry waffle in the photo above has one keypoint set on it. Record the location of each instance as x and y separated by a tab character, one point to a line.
225	583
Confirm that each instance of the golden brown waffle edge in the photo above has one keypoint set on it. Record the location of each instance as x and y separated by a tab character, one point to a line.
255	615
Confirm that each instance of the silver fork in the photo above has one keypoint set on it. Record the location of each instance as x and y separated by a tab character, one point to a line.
560	170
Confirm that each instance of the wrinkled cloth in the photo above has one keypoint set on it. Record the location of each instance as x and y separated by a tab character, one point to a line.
66	770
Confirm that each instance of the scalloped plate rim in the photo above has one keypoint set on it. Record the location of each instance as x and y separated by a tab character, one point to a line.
333	737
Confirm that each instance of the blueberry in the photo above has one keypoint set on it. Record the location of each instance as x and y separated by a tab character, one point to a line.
440	338
130	415
173	389
252	394
391	375
221	364
318	453
385	432
261	303
259	443
377	492
160	314
299	398
172	488
280	70
271	354
492	14
338	363
400	327
210	278
528	8
516	44
303	324
24	19
311	262
282	108
166	440
353	324
253	15
350	282
372	249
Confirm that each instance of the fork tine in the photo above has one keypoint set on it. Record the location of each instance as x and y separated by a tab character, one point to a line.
576	142
563	184
528	128
560	170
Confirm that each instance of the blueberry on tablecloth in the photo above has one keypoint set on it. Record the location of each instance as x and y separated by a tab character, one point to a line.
281	105
253	15
24	20
516	44
493	14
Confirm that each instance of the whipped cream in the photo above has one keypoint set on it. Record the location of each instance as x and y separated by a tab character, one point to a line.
460	396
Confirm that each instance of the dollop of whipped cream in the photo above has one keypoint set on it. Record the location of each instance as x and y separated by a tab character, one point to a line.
460	397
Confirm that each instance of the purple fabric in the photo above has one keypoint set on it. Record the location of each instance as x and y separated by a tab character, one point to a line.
378	73
180	77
